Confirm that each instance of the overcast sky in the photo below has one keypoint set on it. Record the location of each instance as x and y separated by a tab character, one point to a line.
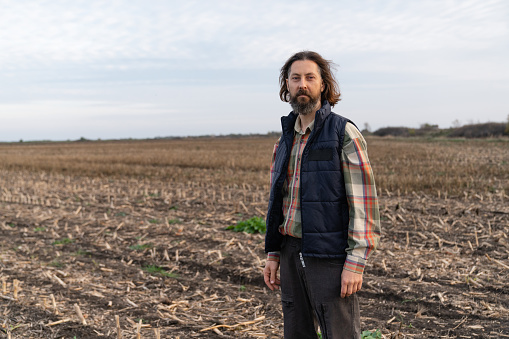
144	69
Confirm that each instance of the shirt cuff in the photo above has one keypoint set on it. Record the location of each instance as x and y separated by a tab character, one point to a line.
273	256
354	264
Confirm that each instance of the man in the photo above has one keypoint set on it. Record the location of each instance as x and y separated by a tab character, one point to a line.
323	219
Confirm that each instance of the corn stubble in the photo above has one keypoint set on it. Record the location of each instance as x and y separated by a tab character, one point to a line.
126	206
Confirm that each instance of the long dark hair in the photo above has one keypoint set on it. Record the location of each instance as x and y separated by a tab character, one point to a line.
330	93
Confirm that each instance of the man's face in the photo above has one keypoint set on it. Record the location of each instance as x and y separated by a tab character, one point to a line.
306	86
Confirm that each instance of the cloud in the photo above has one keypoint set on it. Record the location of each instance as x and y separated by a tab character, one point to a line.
136	64
223	34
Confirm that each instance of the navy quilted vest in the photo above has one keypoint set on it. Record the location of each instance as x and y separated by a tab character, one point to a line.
324	206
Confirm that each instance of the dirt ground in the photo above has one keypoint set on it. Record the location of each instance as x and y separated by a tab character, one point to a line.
156	256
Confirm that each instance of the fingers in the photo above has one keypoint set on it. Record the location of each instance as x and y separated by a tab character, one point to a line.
350	283
344	289
266	278
347	289
273	277
270	275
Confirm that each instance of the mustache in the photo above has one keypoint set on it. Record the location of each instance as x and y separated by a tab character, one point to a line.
301	92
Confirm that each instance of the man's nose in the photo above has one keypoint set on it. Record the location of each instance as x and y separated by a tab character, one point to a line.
303	84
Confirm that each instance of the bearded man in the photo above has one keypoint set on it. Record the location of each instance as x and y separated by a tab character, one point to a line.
323	220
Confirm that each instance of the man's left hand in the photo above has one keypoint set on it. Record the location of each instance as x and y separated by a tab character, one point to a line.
350	283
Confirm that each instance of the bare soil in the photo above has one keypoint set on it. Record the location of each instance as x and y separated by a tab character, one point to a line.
157	255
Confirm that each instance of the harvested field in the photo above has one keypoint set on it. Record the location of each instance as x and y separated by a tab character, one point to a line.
102	238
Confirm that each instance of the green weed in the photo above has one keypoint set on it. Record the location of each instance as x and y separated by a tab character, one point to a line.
63	241
156	270
141	247
56	263
80	252
39	229
253	225
371	335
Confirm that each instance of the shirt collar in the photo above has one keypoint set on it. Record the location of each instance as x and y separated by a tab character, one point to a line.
299	130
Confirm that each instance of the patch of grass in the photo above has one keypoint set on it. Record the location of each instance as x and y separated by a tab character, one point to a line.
174	221
56	263
11	225
410	300
253	225
371	335
63	241
80	252
12	328
141	247
39	229
120	214
154	221
156	270
243	288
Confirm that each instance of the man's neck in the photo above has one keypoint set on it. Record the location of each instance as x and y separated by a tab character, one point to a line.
305	120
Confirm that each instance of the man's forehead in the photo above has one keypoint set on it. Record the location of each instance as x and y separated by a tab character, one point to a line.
304	67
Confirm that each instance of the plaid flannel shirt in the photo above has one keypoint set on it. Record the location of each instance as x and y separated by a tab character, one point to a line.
364	222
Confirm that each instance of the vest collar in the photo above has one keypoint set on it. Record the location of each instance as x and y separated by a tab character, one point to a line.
322	114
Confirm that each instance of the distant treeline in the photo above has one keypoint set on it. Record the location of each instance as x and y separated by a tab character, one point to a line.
485	130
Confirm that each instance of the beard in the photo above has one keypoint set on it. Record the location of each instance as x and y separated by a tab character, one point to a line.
304	107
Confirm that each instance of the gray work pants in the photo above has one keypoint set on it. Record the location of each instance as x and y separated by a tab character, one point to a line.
310	295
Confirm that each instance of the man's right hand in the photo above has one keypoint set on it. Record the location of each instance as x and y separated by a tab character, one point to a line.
270	274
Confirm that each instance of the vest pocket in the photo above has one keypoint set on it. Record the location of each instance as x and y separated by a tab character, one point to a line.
324	154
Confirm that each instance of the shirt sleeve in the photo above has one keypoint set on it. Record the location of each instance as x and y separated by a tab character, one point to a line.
364	224
273	256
